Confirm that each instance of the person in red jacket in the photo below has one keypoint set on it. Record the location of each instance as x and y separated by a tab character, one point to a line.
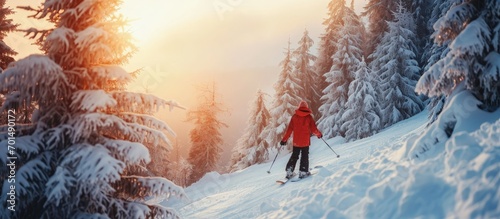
302	125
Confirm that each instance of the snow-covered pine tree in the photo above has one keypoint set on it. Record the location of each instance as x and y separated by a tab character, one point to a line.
439	9
361	119
379	12
422	10
432	54
251	148
180	171
326	49
205	137
471	30
6	53
304	72
394	60
80	155
284	103
467	74
6	26
345	62
437	50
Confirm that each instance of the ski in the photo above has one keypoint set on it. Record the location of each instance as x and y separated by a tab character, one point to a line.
293	179
299	179
312	171
285	180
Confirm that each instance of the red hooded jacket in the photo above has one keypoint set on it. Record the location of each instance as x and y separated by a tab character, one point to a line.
302	125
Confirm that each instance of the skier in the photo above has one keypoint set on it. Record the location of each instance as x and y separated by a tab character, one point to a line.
302	125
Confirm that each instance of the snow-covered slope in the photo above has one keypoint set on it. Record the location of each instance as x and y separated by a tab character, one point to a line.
373	178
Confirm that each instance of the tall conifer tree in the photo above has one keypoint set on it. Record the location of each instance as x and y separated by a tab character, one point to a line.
205	137
361	119
285	101
379	12
82	151
398	70
327	47
251	147
6	26
305	73
471	30
345	62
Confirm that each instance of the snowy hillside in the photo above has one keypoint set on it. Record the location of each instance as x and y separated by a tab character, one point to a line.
365	181
373	178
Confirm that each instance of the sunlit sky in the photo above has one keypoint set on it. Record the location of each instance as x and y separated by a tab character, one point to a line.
184	44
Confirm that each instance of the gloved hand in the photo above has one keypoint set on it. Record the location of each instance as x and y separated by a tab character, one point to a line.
320	135
282	143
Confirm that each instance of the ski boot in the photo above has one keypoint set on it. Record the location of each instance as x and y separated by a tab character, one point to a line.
303	174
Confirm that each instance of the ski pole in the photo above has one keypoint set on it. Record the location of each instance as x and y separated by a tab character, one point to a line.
269	171
330	147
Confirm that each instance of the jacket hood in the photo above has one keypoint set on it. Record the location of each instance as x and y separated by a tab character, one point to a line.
302	111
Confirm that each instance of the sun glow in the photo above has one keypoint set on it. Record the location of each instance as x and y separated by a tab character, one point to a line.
154	17
142	19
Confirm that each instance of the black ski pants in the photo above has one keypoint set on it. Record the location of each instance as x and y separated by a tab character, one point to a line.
304	159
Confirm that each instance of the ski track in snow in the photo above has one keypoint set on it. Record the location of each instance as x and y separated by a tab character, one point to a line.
339	190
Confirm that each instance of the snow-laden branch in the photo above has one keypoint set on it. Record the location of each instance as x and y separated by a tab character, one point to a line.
147	120
85	125
110	73
143	211
92	163
61	184
131	152
142	103
135	187
25	75
26	145
92	100
31	177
